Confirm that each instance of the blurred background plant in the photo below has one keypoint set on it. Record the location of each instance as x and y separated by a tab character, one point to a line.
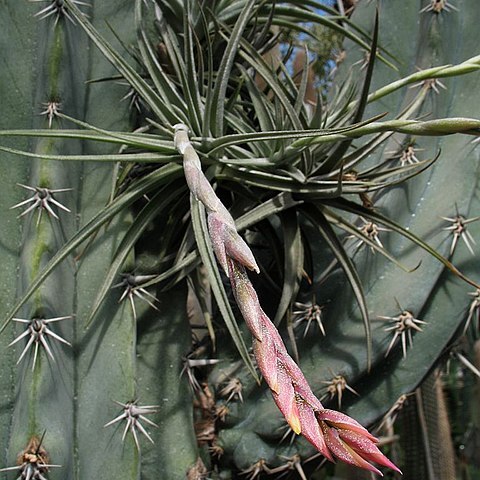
328	132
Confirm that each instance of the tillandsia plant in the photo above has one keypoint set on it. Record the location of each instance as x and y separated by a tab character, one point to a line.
356	212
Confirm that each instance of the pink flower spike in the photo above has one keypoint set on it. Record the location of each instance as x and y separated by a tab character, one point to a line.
344	452
366	449
306	393
247	299
227	242
216	230
285	400
302	387
266	356
274	335
344	422
350	442
236	248
311	429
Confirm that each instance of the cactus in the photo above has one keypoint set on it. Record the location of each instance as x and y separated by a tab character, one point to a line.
69	394
374	248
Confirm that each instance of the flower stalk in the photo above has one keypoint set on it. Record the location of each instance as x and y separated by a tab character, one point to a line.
437	127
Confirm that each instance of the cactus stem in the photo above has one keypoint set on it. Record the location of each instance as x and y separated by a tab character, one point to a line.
38	331
132	414
42	199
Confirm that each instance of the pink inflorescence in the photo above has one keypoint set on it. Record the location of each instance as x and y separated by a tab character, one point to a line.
332	433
